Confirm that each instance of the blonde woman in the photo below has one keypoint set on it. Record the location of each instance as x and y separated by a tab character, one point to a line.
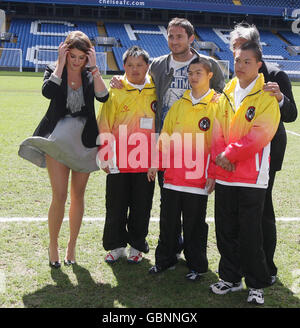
65	140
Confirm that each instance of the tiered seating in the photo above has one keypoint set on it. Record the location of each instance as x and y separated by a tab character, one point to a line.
207	34
34	34
292	68
149	37
291	37
155	44
274	46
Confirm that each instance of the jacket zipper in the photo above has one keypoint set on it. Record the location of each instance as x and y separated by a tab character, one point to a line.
252	94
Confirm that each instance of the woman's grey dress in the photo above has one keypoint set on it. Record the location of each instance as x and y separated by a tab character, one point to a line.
64	144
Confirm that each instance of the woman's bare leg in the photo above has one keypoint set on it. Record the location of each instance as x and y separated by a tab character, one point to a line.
78	185
59	176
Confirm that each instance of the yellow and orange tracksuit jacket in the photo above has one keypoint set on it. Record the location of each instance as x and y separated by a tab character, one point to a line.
127	117
245	134
186	140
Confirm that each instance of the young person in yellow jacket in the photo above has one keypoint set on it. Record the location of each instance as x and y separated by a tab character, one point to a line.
126	123
184	144
249	118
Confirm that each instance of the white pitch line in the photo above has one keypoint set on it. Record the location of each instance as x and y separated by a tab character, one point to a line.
152	219
294	133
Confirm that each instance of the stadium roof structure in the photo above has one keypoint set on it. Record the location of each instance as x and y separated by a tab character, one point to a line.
282	8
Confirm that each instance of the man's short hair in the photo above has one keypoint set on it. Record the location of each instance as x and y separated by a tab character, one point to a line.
136	51
184	23
254	47
203	61
245	31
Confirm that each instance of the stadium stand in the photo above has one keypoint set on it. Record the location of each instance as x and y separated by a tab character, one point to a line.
41	34
292	38
282	47
152	38
220	39
34	35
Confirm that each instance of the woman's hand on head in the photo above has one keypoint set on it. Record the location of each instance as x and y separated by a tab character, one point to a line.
91	54
63	51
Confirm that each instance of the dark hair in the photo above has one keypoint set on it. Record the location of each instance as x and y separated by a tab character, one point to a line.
254	47
184	23
203	61
136	51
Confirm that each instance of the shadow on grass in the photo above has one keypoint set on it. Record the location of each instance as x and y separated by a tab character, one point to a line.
169	289
135	288
87	293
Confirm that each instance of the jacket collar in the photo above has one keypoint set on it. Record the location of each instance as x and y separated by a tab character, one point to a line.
204	101
148	85
229	88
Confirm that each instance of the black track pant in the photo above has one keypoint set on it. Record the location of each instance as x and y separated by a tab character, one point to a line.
238	218
128	206
192	207
269	227
179	247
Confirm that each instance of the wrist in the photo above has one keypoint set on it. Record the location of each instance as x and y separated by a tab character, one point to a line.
280	98
59	69
95	73
92	68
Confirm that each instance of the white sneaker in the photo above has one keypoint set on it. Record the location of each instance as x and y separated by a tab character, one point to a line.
223	287
115	254
256	296
193	275
134	256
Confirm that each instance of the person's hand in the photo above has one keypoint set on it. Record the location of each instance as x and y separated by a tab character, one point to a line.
106	169
91	55
151	174
105	166
116	82
224	162
63	51
215	97
274	90
210	185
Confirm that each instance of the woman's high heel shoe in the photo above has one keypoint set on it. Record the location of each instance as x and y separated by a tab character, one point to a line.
69	262
55	264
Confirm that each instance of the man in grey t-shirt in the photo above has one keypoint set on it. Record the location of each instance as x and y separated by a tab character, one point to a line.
169	72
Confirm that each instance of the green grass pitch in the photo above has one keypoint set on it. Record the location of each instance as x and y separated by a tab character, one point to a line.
25	277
